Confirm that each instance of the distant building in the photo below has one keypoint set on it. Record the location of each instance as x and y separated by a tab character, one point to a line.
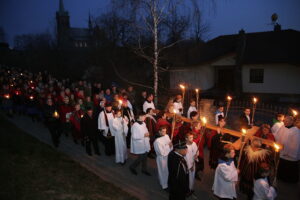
261	62
69	37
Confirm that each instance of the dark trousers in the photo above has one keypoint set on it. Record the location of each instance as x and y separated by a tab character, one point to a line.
55	134
109	144
288	171
89	143
142	158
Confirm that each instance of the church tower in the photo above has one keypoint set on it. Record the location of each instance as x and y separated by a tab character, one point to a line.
62	25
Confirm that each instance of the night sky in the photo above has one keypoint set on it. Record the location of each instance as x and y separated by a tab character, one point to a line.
228	17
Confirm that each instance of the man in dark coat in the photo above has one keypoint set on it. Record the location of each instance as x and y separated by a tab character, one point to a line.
178	180
89	131
245	119
52	121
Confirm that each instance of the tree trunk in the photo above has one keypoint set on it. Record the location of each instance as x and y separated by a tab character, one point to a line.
155	60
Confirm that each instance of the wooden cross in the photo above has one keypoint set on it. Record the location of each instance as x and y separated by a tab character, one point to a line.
237	144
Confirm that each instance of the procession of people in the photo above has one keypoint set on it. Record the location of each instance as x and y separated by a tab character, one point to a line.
125	122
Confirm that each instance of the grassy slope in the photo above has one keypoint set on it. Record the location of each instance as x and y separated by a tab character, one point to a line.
32	170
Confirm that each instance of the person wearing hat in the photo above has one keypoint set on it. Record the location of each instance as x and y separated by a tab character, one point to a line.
140	144
178	180
105	122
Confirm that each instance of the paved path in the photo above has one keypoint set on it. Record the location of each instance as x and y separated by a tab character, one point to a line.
141	186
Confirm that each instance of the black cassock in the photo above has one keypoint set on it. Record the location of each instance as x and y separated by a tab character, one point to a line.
178	180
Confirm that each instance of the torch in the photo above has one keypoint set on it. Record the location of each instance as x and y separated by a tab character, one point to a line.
55	114
197	98
229	98
276	160
173	124
183	93
244	132
120	106
253	109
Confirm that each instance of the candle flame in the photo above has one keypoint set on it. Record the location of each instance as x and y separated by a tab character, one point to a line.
174	111
295	113
55	114
21	74
7	96
244	131
277	147
204	120
31	97
31	82
120	102
254	100
197	90
182	86
81	116
229	98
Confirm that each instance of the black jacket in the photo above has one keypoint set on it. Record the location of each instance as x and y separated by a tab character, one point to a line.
89	127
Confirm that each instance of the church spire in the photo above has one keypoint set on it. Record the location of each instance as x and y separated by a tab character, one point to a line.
61	7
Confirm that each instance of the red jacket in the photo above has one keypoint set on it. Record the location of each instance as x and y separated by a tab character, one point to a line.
269	136
197	137
75	119
63	110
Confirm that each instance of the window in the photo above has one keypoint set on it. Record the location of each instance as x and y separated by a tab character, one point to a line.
256	75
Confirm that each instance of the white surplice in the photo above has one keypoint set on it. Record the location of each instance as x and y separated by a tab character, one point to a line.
190	160
191	109
263	191
225	180
178	107
120	130
147	105
276	127
162	149
139	143
102	122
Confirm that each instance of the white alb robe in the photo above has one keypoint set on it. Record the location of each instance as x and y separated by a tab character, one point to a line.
276	127
191	109
147	105
225	179
290	138
120	130
263	191
177	107
162	149
190	160
139	143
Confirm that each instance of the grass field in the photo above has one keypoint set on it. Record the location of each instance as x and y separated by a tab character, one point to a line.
32	170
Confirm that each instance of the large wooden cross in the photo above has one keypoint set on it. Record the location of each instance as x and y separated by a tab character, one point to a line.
238	143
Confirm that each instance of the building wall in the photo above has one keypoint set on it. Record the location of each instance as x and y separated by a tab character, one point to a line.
202	77
278	79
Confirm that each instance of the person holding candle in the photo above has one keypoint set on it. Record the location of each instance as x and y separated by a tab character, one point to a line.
262	188
52	121
191	108
119	131
289	136
178	104
219	112
226	175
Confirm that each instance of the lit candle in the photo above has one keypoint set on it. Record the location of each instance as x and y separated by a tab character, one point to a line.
229	98
21	74
56	114
276	160
244	132
7	96
31	97
81	116
197	98
253	109
204	121
183	93
295	113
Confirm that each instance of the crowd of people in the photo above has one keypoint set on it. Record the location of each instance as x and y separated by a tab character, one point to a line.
121	119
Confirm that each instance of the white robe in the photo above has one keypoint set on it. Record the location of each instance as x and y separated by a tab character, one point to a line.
102	123
190	160
191	109
162	149
217	116
263	191
120	131
276	127
225	179
147	105
139	143
290	138
177	107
